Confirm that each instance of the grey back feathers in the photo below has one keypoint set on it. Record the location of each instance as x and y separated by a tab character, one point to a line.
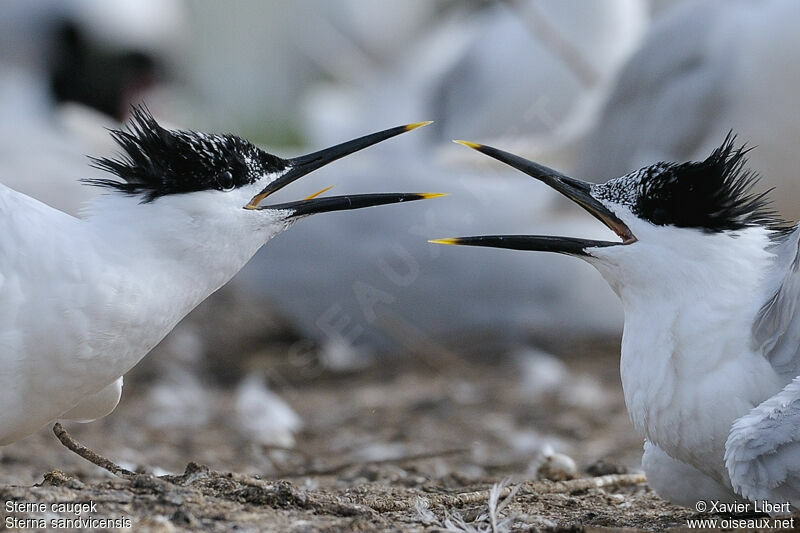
156	161
776	331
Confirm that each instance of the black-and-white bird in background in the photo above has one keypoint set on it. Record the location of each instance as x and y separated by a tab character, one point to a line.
704	68
709	282
83	300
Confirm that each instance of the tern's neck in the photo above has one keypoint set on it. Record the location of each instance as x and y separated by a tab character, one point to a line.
712	279
687	344
172	257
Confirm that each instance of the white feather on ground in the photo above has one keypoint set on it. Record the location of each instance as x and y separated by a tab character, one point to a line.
262	416
178	399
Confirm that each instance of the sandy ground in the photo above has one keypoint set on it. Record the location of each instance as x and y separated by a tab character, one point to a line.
412	443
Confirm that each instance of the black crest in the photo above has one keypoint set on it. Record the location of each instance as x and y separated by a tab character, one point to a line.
156	161
714	195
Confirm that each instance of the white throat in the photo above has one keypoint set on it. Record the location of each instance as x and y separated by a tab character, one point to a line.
154	262
687	366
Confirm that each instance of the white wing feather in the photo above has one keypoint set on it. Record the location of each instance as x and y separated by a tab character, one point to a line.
762	453
776	331
44	329
97	405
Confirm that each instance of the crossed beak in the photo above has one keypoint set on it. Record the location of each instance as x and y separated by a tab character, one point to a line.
576	190
300	166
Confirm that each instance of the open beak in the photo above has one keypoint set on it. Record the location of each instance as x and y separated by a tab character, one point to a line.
300	166
311	206
576	190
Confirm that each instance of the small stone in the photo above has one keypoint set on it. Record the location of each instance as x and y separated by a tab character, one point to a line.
57	478
557	467
184	519
604	467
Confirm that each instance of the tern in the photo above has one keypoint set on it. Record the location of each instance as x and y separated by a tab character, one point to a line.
85	299
709	281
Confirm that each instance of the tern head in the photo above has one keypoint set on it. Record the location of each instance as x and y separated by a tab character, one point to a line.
224	177
674	222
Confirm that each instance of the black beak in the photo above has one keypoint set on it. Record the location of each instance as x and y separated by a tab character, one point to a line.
576	190
311	206
300	166
536	243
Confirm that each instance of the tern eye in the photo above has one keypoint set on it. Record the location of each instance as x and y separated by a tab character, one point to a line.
659	216
225	181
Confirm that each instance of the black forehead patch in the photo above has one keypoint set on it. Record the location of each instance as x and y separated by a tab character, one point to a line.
156	161
712	195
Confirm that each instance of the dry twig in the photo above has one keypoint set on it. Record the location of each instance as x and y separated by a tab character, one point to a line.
327	471
94	458
388	505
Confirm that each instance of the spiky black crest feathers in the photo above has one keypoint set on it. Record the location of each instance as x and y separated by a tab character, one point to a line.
155	161
712	195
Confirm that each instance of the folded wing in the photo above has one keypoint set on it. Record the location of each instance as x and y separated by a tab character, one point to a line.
762	453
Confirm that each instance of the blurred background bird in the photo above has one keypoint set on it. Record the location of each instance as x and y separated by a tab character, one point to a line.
704	69
67	71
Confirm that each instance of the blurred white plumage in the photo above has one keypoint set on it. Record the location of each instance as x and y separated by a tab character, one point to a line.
263	416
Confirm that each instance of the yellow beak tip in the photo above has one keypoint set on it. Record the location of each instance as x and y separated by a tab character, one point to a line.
468	144
311	197
416	125
443	241
255	201
428	195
